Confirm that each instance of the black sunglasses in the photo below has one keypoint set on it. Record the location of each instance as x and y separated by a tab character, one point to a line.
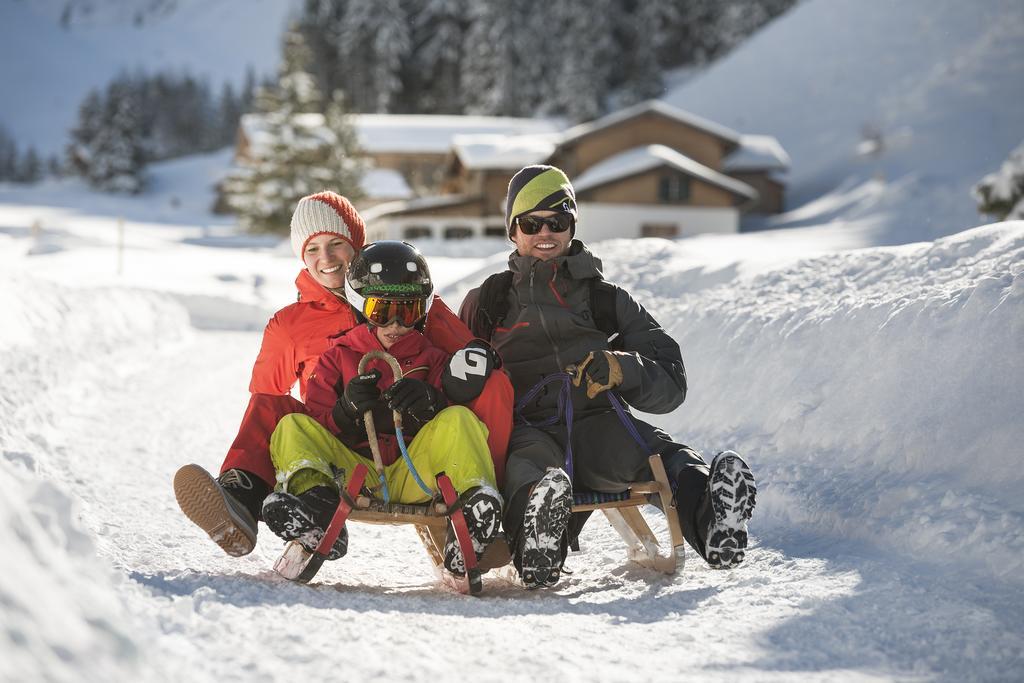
531	225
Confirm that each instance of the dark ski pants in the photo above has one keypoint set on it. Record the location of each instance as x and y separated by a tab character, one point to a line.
606	459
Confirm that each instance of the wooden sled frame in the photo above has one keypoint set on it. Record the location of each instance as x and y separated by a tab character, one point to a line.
431	521
642	544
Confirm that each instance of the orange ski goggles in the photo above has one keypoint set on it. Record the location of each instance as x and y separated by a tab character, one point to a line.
382	312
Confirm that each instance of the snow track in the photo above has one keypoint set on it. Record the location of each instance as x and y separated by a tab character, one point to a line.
107	580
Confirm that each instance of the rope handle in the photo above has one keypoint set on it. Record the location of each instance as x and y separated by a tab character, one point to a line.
371	430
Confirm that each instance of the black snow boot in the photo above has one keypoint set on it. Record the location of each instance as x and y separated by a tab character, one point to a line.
481	506
543	539
731	492
226	508
305	517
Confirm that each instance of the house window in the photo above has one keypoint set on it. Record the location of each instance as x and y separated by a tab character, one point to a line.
495	231
457	232
674	188
666	230
415	232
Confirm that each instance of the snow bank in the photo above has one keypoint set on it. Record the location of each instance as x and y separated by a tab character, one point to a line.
876	392
64	617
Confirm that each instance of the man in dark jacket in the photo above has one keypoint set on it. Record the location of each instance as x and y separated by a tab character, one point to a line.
571	436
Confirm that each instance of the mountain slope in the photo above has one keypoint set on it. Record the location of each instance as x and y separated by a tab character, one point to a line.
925	96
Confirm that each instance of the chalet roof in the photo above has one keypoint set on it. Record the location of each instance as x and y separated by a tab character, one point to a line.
385	183
417	204
656	106
497	151
640	159
757	153
408	133
434	134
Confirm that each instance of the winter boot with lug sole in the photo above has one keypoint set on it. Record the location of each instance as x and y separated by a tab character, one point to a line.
225	508
304	518
543	540
481	507
732	491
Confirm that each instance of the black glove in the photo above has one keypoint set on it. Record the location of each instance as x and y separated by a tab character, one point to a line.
415	399
360	395
601	369
468	370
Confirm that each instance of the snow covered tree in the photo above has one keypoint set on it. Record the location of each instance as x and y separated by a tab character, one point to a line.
307	151
106	146
8	155
434	84
1001	194
643	32
373	44
501	68
30	170
581	55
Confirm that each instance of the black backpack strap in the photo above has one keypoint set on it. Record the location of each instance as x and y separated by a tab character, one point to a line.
492	305
602	306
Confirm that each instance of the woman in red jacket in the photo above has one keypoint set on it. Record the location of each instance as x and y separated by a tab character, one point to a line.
392	283
326	233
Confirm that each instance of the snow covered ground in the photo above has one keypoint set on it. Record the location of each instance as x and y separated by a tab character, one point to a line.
876	391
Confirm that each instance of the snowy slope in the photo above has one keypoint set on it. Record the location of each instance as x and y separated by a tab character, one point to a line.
936	86
46	70
875	390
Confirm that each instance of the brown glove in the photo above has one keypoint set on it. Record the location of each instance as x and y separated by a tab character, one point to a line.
601	370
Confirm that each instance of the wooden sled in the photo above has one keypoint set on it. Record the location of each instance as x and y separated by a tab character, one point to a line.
431	520
624	515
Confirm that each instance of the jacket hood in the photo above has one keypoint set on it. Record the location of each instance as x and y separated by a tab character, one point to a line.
579	261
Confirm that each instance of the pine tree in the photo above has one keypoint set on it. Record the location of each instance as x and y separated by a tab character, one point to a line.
581	57
106	146
644	33
373	44
30	170
434	84
118	157
502	70
321	25
8	156
308	151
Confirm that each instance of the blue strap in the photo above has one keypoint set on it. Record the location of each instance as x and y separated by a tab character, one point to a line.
565	407
408	461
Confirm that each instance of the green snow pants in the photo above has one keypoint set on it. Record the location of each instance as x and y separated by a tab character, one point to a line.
454	442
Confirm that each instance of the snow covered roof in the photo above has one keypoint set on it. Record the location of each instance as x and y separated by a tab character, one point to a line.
417	204
656	106
497	151
758	153
409	133
641	159
260	138
434	134
385	183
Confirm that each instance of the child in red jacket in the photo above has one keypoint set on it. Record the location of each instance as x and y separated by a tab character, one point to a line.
393	283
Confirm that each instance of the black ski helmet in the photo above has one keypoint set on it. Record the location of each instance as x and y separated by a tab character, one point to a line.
391	270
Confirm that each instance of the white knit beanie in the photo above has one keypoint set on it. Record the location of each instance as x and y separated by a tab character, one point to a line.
326	212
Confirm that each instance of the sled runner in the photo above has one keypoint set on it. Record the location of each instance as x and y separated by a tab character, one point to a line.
431	520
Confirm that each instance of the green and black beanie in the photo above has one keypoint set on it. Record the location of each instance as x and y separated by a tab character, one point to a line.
537	188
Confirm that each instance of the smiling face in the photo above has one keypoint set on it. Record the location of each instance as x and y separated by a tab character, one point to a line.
389	334
327	257
545	245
